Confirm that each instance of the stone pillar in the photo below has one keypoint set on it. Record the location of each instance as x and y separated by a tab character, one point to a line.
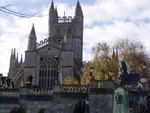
101	96
57	88
23	93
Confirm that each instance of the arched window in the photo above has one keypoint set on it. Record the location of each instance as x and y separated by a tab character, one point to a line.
48	72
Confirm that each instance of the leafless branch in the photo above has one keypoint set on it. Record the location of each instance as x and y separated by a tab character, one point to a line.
6	9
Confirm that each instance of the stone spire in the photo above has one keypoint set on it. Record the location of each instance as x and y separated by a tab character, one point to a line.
51	7
32	39
17	58
78	10
14	53
21	61
32	33
53	19
56	12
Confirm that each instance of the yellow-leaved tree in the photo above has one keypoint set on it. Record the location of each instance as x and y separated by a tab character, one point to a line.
107	56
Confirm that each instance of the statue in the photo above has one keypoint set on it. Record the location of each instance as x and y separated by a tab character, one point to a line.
30	79
121	99
123	72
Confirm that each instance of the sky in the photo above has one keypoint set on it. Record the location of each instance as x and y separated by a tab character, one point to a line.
104	20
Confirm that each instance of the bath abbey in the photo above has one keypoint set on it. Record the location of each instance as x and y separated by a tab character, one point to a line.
36	84
54	58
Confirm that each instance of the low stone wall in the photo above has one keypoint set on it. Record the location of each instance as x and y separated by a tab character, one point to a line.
101	103
62	99
6	108
101	100
59	106
8	100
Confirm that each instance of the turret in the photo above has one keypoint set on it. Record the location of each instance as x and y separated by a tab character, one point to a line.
11	54
30	56
78	12
17	58
53	19
13	62
21	61
32	40
78	32
53	14
56	13
14	53
51	8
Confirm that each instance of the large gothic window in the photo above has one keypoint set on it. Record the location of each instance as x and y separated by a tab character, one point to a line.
48	72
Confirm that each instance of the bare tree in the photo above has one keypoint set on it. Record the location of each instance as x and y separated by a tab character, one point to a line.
134	53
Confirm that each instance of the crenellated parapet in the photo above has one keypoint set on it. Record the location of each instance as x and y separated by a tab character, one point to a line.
42	43
65	19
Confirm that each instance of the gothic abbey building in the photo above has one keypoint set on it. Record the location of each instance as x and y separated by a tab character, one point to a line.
55	58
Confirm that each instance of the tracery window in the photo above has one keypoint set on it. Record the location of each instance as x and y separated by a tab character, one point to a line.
48	72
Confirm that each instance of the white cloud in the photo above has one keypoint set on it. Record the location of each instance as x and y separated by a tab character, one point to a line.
108	10
105	20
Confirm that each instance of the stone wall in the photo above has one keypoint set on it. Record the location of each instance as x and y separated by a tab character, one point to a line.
101	101
6	108
62	99
59	106
101	96
8	100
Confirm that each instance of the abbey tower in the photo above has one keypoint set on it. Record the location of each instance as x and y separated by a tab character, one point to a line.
55	58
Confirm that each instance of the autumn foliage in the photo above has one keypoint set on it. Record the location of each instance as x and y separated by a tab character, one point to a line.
106	59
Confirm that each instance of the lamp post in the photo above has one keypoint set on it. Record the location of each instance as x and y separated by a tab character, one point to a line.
144	77
91	71
109	75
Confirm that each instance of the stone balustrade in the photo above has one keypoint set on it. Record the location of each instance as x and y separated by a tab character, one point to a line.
65	19
40	91
61	99
9	93
74	89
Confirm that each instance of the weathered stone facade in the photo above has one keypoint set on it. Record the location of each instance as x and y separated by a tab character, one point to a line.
61	99
101	103
55	58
